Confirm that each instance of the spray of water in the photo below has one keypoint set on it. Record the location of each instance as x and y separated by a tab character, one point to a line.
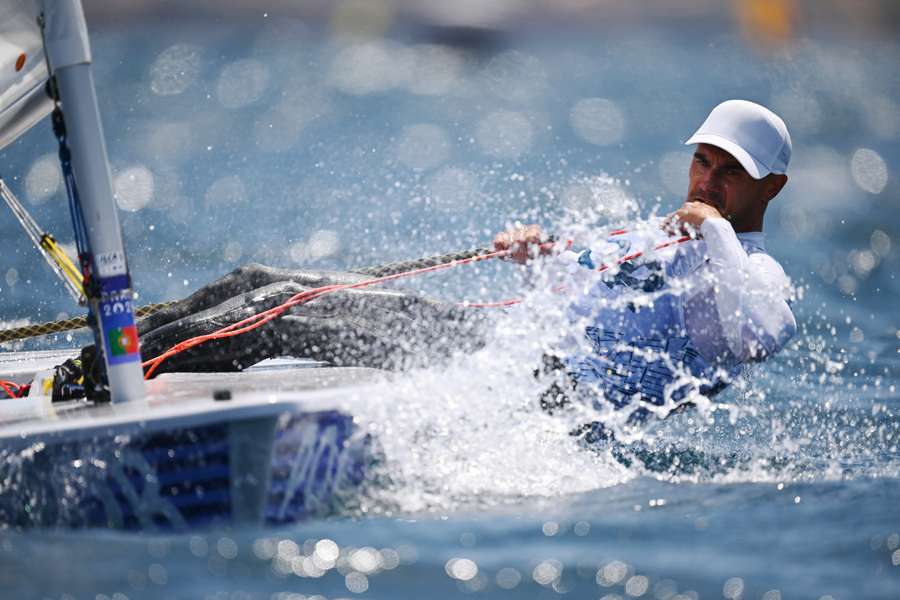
471	432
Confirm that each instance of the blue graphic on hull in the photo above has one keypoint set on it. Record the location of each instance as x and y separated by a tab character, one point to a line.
184	479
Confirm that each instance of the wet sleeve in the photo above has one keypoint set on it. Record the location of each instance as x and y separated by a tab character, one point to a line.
751	294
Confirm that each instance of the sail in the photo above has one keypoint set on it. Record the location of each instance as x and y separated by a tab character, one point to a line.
23	69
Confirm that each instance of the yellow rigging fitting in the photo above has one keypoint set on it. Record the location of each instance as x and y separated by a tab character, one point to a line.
47	245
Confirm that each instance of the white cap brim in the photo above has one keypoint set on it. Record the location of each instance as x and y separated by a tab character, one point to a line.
755	168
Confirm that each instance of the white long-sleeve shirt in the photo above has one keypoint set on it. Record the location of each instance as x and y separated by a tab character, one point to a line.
734	295
738	310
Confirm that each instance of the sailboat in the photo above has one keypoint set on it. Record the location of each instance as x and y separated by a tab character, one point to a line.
274	444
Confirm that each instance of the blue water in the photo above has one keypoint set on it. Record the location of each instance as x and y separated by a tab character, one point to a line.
280	142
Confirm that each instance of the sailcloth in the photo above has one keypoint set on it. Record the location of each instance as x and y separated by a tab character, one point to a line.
23	69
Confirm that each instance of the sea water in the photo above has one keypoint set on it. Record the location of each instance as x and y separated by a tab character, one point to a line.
287	142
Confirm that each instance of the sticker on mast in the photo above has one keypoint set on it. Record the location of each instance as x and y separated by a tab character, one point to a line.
110	264
123	340
120	335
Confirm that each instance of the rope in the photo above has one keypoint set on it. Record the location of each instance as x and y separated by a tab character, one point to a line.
255	321
251	323
12	389
39	329
377	272
51	327
421	263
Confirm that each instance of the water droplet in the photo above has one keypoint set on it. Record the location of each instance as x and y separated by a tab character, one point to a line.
226	192
242	83
175	69
612	573
598	121
298	252
436	70
733	588
637	585
198	546
134	188
547	572
323	243
43	179
880	242
516	76
452	189
462	569
869	170
327	550
232	251
356	582
365	560
582	528
157	574
264	548
508	578
422	146
504	134
227	548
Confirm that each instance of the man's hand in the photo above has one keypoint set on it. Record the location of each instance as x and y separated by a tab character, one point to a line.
688	219
522	243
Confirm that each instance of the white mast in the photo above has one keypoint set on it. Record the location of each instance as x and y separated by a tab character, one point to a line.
110	295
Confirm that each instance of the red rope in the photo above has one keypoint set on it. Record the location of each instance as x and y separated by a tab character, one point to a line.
8	388
258	320
264	317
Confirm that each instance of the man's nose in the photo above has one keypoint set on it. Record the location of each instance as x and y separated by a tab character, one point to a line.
711	180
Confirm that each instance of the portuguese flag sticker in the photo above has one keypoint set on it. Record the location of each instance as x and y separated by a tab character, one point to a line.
123	340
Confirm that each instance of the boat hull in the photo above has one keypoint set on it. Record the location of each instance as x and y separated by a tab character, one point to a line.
186	460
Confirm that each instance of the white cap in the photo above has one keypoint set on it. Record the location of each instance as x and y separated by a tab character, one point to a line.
751	133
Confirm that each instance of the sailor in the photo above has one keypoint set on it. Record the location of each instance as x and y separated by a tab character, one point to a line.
715	303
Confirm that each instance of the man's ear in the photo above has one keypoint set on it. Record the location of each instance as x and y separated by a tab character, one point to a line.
774	184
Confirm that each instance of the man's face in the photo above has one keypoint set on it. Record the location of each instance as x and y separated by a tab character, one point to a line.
719	180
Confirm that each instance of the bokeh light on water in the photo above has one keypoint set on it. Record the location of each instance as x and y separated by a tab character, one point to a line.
175	69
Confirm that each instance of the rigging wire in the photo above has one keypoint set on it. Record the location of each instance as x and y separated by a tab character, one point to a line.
47	245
